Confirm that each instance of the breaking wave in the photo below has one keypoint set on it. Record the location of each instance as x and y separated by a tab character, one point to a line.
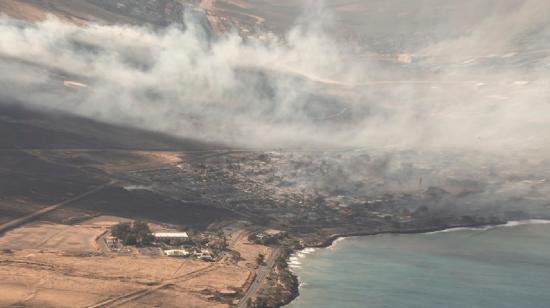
513	223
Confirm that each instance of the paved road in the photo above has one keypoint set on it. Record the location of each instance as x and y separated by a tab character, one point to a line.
25	219
261	274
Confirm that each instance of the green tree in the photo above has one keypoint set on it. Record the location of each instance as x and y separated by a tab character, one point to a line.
142	233
121	230
260	302
137	233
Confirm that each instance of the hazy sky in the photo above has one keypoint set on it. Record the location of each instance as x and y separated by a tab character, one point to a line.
486	87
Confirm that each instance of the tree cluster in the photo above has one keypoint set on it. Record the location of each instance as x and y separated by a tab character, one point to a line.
137	233
260	259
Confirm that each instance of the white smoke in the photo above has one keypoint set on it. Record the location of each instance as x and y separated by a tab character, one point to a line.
487	89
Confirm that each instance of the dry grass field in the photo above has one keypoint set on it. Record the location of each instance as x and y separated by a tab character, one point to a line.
50	236
21	10
54	265
54	279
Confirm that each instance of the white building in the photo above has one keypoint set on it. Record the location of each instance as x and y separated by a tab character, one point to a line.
176	253
173	238
204	255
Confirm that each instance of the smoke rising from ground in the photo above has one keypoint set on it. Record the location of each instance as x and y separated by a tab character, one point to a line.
487	89
467	112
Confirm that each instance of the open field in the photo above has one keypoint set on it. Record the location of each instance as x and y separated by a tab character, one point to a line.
172	297
54	279
147	205
249	251
47	265
23	175
46	159
21	128
29	184
110	161
66	179
78	11
17	207
50	236
21	10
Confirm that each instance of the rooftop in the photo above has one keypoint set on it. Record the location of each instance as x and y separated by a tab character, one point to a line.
170	234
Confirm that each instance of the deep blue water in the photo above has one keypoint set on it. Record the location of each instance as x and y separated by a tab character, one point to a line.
500	267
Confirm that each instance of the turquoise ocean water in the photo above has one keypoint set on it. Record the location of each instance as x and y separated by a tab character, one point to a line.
507	266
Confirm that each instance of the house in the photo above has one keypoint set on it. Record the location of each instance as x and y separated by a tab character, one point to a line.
176	253
204	255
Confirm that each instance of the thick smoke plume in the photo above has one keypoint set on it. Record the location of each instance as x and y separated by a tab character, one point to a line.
466	108
485	89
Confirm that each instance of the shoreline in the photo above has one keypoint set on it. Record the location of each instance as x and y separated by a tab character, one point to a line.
332	238
328	242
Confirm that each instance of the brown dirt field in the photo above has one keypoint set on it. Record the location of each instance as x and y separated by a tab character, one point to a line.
240	3
42	286
110	160
224	277
20	10
76	11
172	297
249	252
36	12
105	221
49	236
53	275
51	279
48	292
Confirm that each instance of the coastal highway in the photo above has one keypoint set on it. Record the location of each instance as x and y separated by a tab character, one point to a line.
261	274
25	219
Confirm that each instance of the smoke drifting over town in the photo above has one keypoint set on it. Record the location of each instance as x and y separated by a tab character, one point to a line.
486	89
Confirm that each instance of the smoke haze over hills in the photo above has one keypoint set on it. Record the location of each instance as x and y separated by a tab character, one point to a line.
259	128
486	89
